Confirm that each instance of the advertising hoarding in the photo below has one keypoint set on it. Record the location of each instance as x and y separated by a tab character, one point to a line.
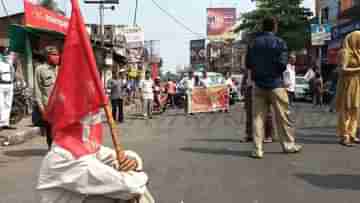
152	51
39	17
134	37
220	21
197	52
320	34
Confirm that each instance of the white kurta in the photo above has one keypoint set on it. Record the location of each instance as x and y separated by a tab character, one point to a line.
64	179
6	93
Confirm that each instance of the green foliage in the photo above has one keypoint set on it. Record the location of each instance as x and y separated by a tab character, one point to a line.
293	23
52	5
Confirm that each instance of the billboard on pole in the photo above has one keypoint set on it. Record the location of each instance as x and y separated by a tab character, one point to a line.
197	52
220	21
320	34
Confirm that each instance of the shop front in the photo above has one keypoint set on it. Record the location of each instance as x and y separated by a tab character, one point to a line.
41	28
338	34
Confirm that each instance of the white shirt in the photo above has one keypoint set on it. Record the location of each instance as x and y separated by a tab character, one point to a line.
64	179
290	78
206	82
147	90
310	74
229	82
5	72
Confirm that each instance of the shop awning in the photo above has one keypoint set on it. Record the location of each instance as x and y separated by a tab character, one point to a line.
19	33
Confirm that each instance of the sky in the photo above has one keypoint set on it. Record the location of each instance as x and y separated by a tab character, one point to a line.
174	39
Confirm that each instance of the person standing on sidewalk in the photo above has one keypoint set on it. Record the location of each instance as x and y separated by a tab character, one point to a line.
189	86
45	76
267	59
147	91
118	87
290	78
348	90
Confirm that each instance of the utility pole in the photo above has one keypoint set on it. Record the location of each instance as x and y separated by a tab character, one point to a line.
136	9
102	8
320	50
101	12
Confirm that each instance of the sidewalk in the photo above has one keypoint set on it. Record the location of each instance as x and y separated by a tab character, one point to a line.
22	132
25	130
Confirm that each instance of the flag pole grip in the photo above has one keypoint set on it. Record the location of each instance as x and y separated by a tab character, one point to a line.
120	156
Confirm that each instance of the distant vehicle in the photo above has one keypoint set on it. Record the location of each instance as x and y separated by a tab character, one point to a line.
302	89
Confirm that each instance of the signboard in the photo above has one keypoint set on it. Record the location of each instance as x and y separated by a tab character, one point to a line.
134	37
320	34
341	30
152	51
197	52
210	99
39	17
220	21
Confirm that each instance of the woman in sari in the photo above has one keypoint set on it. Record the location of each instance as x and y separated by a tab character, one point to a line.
348	90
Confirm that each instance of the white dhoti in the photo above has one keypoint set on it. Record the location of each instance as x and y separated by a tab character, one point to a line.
64	179
6	98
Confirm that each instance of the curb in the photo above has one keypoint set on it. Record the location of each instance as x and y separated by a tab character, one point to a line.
19	137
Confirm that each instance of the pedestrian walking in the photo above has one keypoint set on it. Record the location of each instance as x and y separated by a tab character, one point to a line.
45	76
171	91
318	90
189	86
267	59
290	78
348	90
147	91
118	88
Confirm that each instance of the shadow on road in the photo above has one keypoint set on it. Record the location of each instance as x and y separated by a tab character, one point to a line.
335	181
26	152
316	138
216	151
217	140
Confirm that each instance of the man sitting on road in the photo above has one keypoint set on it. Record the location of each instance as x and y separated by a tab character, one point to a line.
77	167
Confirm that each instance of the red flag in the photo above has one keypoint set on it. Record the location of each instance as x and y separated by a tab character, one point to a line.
78	91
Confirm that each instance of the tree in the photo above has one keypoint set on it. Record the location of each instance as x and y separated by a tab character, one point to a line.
293	23
52	5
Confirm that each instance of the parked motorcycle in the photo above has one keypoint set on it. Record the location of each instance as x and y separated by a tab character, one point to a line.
22	102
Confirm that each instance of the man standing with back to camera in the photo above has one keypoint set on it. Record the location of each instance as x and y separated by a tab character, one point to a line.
266	61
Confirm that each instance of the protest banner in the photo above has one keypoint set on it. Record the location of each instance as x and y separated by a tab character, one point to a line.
210	99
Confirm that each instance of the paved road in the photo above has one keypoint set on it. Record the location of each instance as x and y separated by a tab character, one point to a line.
200	159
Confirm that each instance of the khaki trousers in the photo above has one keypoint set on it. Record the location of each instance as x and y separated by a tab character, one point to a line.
262	101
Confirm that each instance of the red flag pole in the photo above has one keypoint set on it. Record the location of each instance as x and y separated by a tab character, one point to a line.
124	163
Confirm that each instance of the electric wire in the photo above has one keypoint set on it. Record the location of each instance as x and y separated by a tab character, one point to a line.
177	20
